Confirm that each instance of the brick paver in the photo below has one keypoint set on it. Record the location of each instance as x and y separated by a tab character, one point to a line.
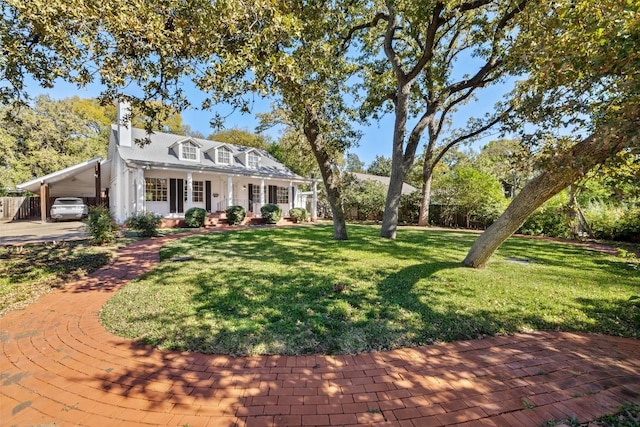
59	366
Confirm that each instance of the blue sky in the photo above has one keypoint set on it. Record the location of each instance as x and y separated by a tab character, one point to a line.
376	137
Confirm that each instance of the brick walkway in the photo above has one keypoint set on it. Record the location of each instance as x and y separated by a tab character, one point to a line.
58	366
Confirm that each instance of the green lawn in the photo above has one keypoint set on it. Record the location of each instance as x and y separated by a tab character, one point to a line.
296	291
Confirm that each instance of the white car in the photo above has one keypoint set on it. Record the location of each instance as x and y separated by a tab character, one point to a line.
68	208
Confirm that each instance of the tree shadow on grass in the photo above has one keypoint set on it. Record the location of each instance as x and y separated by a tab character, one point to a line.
615	316
310	245
296	307
438	318
562	254
288	312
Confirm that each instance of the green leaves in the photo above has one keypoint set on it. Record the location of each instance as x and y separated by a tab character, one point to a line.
50	136
583	64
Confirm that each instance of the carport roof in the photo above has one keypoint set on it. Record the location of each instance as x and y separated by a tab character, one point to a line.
71	171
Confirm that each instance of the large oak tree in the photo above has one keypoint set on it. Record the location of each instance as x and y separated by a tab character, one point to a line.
583	63
413	52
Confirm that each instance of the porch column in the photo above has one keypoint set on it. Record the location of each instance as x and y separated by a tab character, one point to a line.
117	199
229	191
140	190
291	203
262	199
189	191
126	208
44	200
314	201
98	182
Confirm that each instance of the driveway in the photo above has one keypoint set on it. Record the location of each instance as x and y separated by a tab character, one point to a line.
25	232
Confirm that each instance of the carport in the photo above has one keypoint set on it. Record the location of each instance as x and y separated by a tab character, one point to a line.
82	180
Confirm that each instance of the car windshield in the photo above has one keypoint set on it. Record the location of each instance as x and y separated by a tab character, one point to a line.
68	202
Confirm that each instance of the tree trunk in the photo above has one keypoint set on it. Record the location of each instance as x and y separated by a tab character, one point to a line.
423	219
339	225
572	212
563	170
312	132
392	202
401	158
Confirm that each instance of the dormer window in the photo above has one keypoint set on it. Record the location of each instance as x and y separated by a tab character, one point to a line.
189	151
224	156
253	160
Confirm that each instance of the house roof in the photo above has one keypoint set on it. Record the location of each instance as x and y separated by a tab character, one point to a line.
83	171
160	152
384	180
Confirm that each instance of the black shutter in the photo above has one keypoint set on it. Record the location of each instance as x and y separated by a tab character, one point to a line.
180	195
293	195
172	195
273	194
250	190
207	195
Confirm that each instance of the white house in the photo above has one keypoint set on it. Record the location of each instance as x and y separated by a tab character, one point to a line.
172	173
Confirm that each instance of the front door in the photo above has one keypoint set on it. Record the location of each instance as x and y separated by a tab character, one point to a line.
254	197
176	195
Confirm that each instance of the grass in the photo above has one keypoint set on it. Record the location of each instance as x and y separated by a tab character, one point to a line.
30	271
296	291
627	416
27	272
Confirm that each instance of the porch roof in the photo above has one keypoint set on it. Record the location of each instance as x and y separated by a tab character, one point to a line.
249	173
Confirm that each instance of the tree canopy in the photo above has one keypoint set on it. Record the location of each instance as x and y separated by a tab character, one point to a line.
578	61
294	152
241	137
412	51
50	136
381	165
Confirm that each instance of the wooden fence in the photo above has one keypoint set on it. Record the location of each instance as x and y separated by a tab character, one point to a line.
17	208
14	208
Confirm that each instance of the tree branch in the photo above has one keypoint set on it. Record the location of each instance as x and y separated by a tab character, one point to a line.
374	22
416	134
469	135
389	51
472	5
427	52
493	62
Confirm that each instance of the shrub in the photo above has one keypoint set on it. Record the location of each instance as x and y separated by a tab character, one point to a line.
363	199
613	222
409	208
630	227
299	215
194	217
101	226
146	224
271	213
235	215
549	219
473	194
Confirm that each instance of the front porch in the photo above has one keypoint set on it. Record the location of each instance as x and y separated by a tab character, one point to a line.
171	193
